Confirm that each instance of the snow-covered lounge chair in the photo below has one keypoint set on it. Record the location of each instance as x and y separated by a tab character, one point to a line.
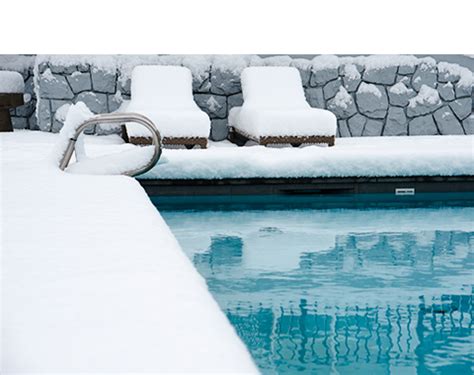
164	94
275	111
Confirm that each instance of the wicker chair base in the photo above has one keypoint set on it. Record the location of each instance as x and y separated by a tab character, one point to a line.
166	141
240	138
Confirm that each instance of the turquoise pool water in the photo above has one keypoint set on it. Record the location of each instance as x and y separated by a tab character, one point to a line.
341	291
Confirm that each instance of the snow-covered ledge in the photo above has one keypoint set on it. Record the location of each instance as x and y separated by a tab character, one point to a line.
370	95
94	281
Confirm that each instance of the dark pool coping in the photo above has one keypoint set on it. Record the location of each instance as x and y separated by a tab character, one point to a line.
308	186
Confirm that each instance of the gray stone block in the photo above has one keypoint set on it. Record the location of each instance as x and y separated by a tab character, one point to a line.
107	130
320	77
315	97
53	86
468	125
342	105
351	84
397	123
79	82
62	69
30	86
462	107
406	69
202	81
384	76
406	80
42	67
57	125
97	102
27	109
33	122
351	77
114	102
343	128
55	104
462	90
214	105
356	125
225	82
57	120
424	75
447	122
219	129
373	128
423	125
43	113
446	76
103	81
446	91
124	85
331	88
372	100
305	74
20	122
234	101
399	95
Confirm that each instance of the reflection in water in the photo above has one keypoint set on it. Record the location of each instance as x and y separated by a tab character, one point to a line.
317	298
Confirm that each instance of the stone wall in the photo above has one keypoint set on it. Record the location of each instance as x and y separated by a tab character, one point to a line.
371	96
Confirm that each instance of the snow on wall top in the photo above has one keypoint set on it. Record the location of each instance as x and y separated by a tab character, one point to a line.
385	61
201	64
11	82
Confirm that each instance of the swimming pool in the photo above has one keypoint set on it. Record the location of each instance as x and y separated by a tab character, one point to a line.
379	291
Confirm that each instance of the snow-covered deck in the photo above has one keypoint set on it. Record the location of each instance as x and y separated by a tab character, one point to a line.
92	278
350	157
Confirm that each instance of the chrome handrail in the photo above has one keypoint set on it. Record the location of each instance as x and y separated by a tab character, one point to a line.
111	118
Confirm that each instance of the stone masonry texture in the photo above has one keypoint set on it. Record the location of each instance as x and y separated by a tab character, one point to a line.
382	99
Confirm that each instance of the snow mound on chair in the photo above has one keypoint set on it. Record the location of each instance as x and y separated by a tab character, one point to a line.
275	105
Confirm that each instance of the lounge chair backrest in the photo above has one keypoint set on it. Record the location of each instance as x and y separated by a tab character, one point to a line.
273	88
162	87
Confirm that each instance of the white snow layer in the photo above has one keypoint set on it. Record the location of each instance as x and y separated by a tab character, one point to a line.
93	280
400	89
114	163
369	88
466	76
62	111
76	115
164	94
275	105
11	82
350	157
350	71
342	99
426	96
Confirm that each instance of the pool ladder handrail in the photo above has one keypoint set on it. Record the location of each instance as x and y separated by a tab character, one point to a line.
112	118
